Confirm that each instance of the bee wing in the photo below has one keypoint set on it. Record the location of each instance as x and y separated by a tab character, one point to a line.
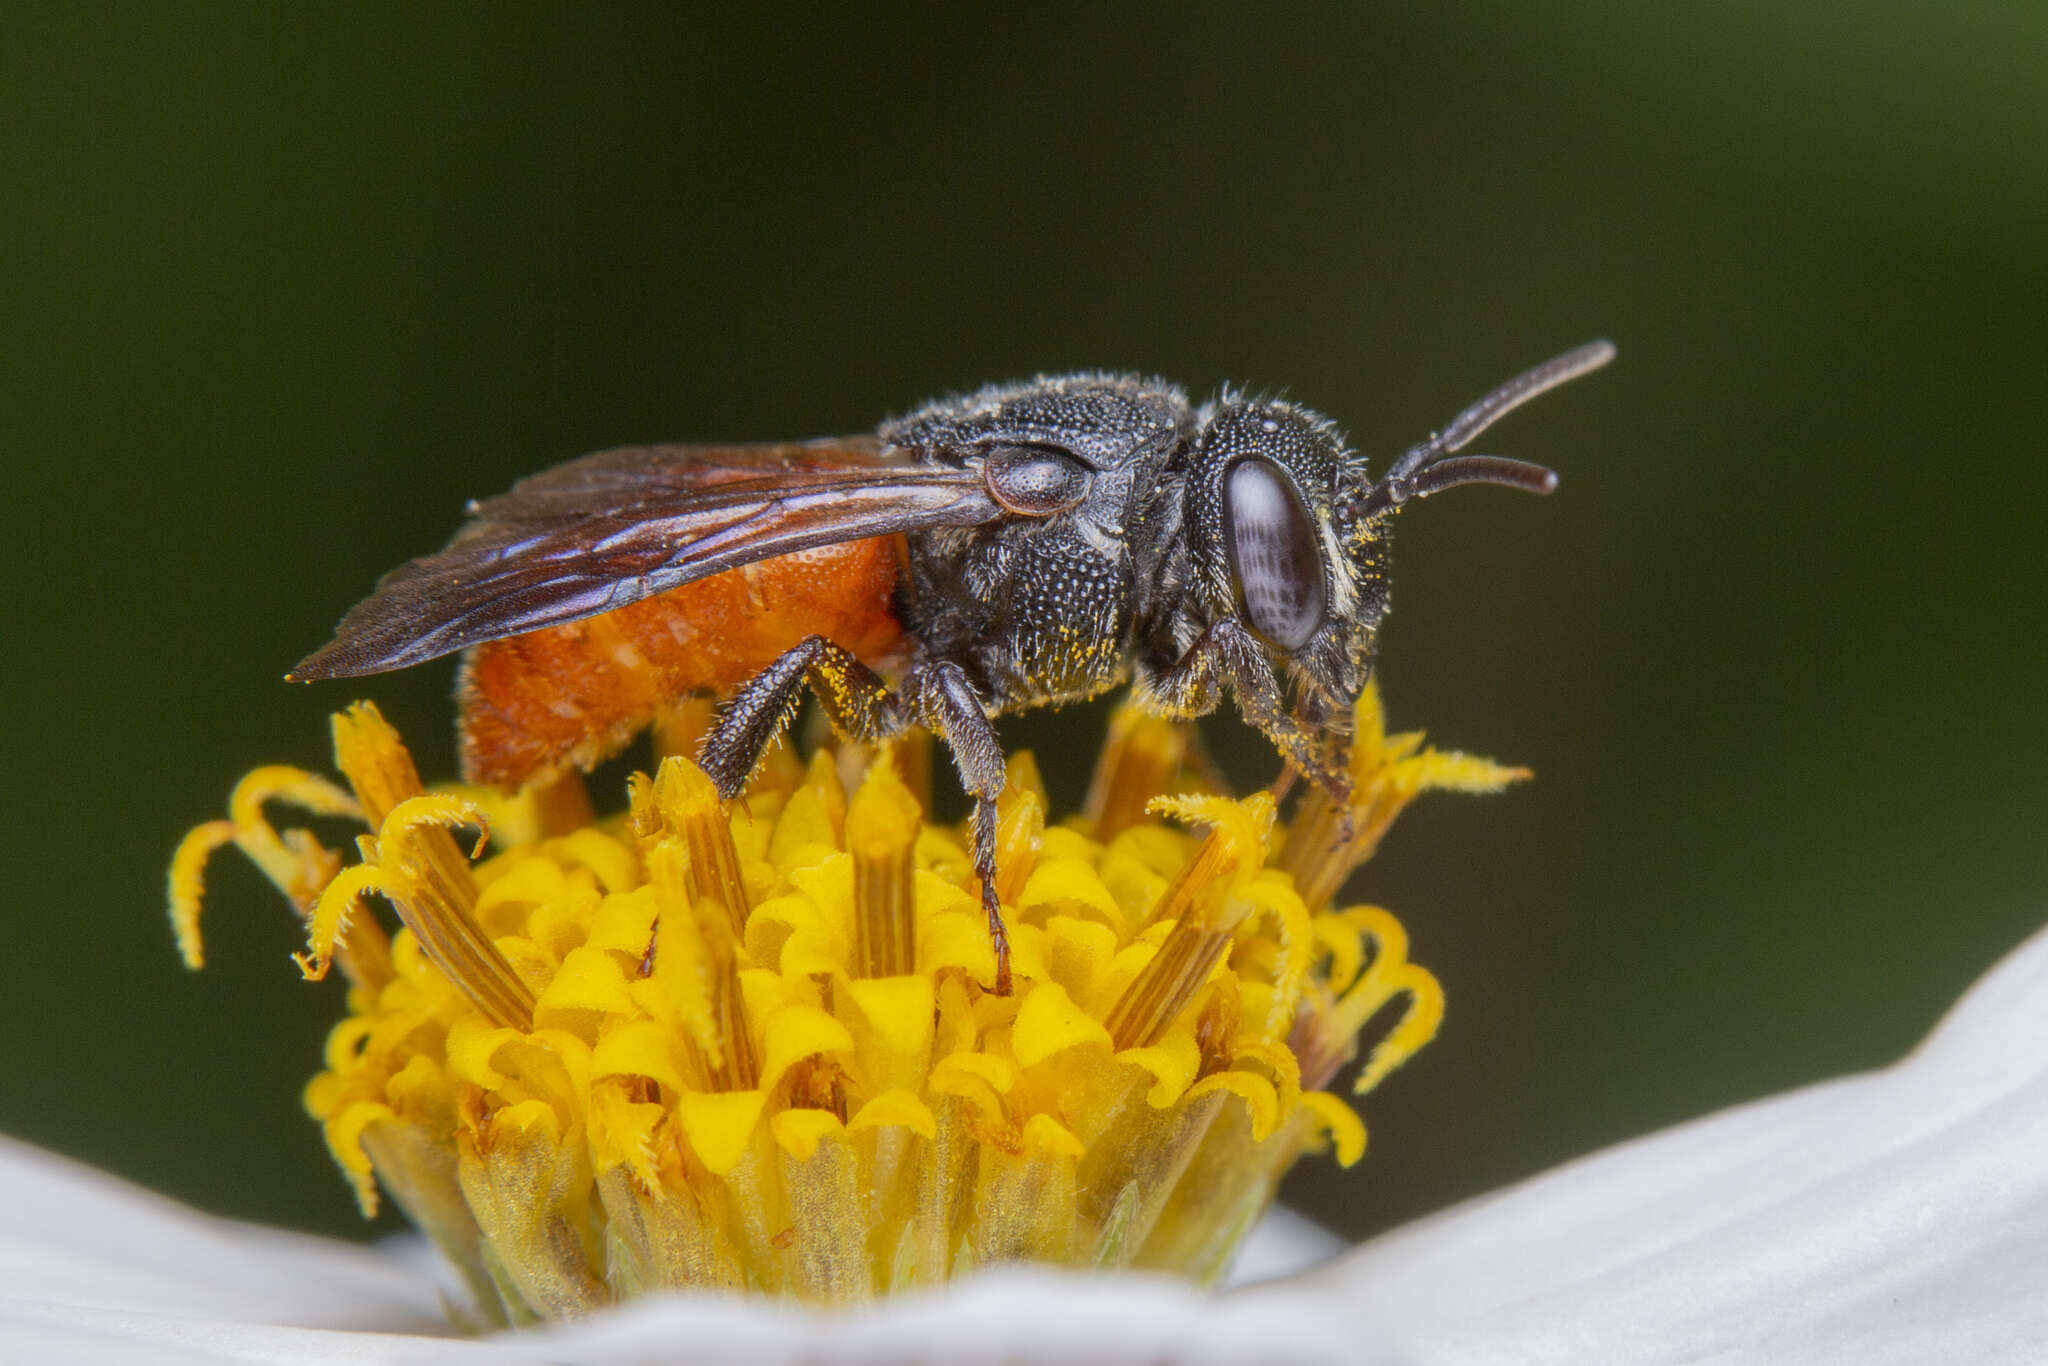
611	528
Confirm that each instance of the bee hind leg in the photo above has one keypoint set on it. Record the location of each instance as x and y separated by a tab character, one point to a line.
856	701
948	704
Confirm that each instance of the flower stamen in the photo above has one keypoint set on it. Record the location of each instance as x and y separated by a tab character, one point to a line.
421	870
1204	909
1143	756
428	882
294	862
1328	841
882	823
687	840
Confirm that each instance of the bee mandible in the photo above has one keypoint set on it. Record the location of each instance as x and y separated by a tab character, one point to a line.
1021	546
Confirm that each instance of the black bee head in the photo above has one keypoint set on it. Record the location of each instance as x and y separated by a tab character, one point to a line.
1290	537
1264	511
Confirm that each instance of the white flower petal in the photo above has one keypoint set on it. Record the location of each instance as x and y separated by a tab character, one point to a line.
94	1270
1013	1317
1281	1244
1900	1217
68	1335
70	1235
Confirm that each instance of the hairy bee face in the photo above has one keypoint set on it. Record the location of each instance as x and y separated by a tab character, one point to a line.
1265	508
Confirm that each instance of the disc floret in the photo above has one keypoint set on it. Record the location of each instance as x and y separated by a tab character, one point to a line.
754	1049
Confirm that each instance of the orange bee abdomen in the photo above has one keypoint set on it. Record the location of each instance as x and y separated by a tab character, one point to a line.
574	694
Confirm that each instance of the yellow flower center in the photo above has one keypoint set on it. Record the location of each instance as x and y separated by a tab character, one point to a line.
756	1049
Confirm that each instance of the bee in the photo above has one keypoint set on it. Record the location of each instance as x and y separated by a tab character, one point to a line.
1025	545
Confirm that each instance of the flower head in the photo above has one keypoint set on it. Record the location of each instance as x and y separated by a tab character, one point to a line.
756	1049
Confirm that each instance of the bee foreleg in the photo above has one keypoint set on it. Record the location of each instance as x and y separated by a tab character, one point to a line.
856	701
948	704
1224	654
1228	654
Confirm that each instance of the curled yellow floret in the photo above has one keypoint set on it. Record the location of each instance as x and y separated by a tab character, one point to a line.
760	1049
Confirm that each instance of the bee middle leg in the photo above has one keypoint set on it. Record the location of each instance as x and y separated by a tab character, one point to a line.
948	704
861	707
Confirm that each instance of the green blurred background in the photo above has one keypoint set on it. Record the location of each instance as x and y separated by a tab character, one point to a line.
282	289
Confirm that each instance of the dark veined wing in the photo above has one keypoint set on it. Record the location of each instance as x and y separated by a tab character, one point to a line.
611	528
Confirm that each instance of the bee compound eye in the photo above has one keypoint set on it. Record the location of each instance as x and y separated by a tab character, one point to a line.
1032	481
1275	554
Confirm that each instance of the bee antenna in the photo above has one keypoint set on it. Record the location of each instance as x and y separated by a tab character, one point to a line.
1449	473
1427	468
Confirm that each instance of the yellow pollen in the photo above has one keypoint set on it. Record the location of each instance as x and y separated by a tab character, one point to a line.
753	1048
